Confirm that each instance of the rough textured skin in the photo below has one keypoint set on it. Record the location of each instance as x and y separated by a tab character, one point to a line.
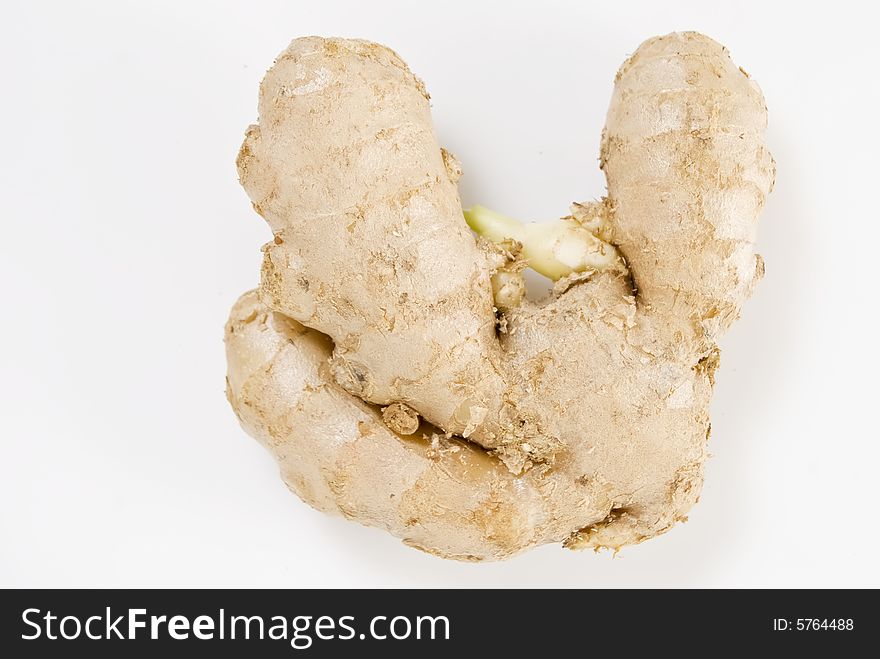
586	415
370	246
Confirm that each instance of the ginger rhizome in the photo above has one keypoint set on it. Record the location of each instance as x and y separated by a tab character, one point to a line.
390	359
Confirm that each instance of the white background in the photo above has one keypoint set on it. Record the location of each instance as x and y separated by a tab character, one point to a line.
126	238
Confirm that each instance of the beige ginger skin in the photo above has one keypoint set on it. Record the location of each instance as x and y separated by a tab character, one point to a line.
389	360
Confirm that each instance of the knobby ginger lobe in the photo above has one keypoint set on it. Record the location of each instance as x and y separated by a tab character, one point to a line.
390	360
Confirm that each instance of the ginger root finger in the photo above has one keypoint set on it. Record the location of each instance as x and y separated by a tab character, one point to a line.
688	172
370	245
444	496
335	452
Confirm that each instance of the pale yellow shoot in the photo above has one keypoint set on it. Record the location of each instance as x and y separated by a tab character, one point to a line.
554	249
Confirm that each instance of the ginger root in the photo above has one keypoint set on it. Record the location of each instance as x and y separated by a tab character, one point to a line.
393	366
